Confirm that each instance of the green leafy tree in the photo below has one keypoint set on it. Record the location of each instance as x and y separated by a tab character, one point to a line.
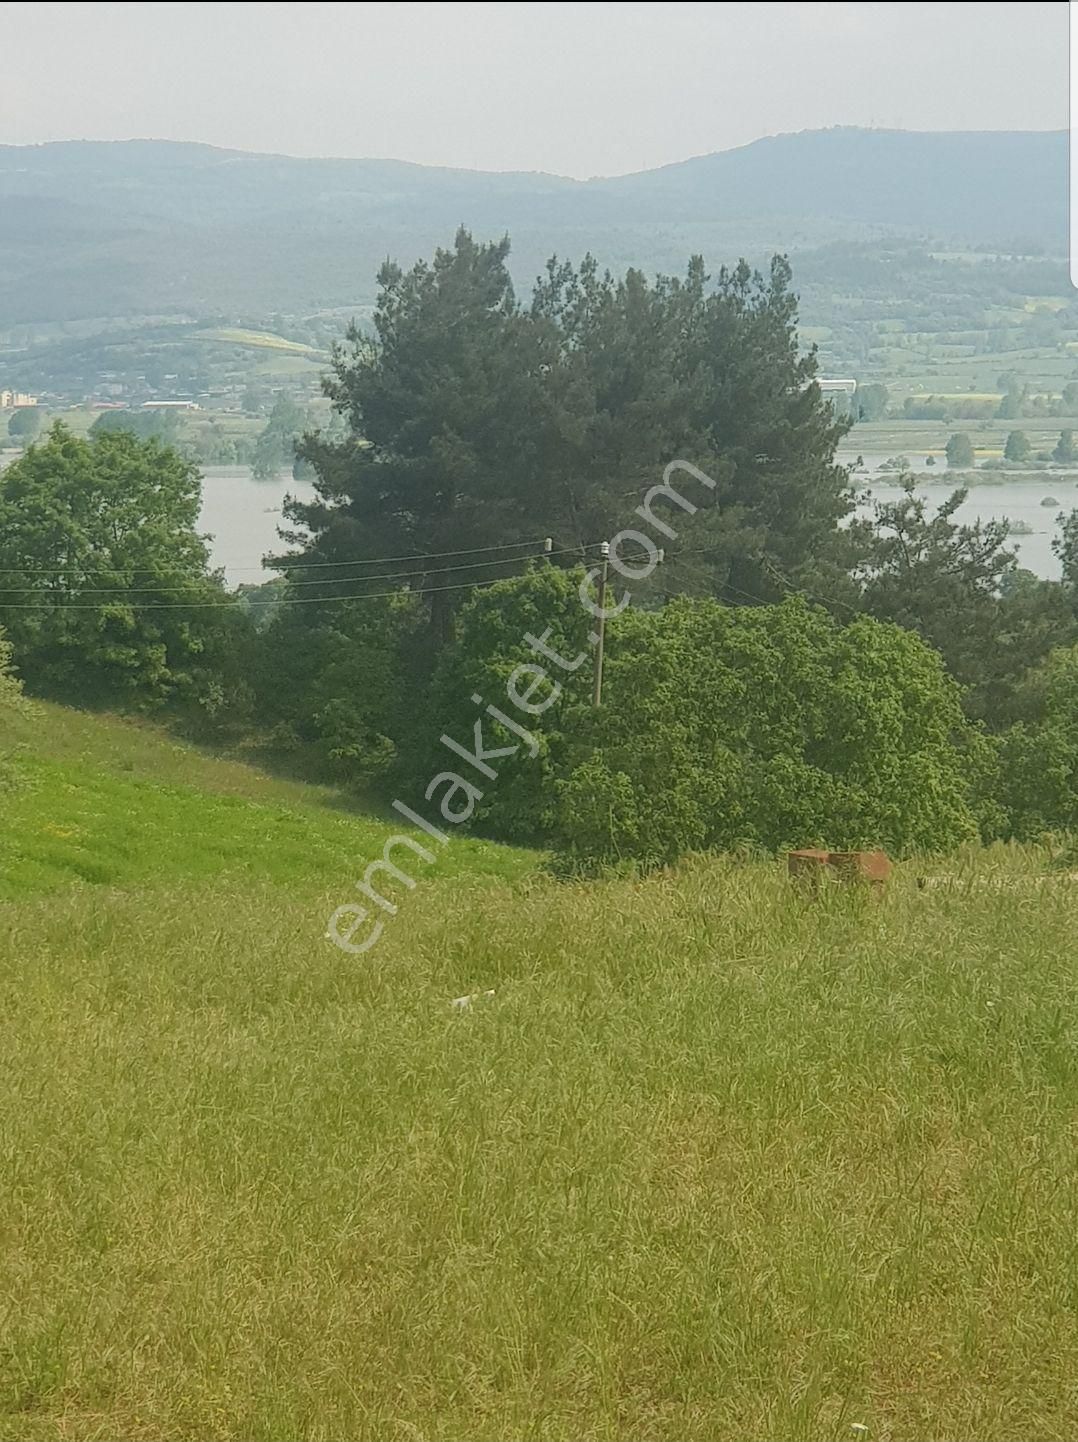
1017	447
960	451
720	727
337	685
1065	452
959	586
445	423
944	580
711	370
25	425
1034	618
1039	760
10	690
275	449
106	593
148	424
770	727
475	422
1012	405
619	394
1065	546
489	643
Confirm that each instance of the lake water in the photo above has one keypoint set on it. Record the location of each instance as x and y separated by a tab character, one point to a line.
242	516
1010	499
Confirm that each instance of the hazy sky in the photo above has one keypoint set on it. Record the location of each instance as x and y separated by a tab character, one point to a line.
579	89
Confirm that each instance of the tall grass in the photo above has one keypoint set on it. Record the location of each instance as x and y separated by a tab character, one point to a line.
715	1161
111	802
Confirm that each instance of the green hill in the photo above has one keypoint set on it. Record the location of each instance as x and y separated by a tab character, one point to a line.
97	229
111	802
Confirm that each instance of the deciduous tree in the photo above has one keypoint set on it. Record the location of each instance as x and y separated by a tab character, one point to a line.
1017	447
25	425
960	451
105	589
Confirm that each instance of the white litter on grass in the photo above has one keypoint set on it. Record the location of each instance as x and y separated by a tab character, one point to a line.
859	1428
462	1003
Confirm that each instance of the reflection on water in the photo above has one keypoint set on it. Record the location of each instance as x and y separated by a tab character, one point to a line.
1010	499
242	516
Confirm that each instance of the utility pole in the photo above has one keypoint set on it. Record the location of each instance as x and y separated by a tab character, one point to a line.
548	546
597	693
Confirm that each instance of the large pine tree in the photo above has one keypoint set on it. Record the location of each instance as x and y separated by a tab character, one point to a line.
441	406
477	422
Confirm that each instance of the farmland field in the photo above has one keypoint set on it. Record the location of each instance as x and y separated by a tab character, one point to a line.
257	339
714	1160
918	439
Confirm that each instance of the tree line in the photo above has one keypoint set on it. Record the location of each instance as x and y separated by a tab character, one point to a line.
792	672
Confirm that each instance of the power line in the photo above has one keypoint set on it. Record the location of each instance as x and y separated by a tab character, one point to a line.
321	581
791	589
302	565
419	556
232	604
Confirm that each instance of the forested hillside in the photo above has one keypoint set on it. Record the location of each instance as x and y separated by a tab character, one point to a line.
92	229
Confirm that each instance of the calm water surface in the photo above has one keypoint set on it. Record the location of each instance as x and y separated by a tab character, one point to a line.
242	515
1011	499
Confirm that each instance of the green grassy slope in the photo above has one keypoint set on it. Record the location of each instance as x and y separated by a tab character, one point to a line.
112	802
713	1161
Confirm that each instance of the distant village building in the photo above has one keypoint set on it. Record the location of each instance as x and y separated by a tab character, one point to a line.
10	400
171	406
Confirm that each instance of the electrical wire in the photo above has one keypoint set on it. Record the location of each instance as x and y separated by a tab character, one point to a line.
321	581
233	603
760	600
302	565
111	599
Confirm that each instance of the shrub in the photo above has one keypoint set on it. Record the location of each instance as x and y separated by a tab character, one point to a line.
335	685
488	647
1039	755
721	727
767	727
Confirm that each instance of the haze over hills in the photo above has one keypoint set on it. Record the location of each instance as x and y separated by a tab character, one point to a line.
109	229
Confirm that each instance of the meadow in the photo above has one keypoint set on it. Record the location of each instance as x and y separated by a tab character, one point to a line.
715	1160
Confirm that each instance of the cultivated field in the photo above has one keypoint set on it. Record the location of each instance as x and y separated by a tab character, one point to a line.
714	1161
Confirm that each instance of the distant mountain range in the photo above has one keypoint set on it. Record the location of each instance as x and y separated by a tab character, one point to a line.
106	229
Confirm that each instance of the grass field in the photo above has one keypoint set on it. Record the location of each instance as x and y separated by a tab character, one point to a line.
111	802
714	1161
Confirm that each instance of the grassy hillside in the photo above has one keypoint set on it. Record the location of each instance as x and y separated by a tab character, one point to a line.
114	803
713	1161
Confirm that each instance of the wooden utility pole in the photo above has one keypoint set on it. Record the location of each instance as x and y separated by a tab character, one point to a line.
597	693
